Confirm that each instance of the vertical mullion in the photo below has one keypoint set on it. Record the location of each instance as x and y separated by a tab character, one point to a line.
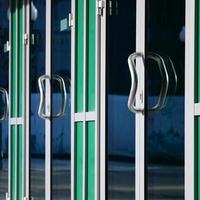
73	151
48	167
103	106
9	128
140	118
16	99
27	99
189	99
84	102
97	104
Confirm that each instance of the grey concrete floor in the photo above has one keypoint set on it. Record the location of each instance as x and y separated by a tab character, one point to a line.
165	182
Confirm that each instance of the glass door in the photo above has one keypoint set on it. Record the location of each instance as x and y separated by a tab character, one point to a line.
50	110
61	100
165	70
4	85
145	92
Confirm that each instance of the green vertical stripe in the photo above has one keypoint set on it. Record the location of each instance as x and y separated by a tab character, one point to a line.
20	162
13	162
20	60
91	160
13	57
79	160
91	51
79	55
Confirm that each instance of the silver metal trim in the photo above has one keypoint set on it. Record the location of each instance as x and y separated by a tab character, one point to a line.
102	180
48	167
27	100
9	127
140	119
189	100
97	102
73	100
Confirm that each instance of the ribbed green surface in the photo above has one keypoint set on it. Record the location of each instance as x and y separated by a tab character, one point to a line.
20	162
79	48
13	163
16	93
91	160
79	160
13	58
20	59
91	51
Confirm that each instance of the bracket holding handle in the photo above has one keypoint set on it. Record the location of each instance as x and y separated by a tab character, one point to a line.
41	83
134	81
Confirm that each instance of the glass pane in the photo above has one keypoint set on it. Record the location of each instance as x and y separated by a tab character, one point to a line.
120	121
165	30
37	125
4	70
61	127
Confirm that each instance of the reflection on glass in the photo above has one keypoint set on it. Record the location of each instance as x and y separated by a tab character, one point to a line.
4	70
37	140
61	127
120	121
165	128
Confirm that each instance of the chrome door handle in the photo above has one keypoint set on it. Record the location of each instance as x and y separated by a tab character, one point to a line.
64	95
41	110
6	109
134	81
165	82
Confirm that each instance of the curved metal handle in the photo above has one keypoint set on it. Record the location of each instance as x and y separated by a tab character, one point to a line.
134	81
6	100
165	82
64	95
41	110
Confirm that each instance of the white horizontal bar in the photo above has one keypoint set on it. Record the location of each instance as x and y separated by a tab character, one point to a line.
197	109
88	116
16	121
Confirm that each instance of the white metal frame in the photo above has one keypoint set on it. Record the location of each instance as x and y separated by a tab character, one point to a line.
140	123
27	99
48	167
189	100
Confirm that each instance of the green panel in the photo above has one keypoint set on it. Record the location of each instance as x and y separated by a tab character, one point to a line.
79	160
91	160
20	162
20	60
91	51
79	55
13	162
13	58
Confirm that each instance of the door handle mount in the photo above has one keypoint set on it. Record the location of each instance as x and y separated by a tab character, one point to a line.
41	83
134	81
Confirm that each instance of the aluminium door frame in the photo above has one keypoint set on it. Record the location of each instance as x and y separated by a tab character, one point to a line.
139	117
189	99
191	109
